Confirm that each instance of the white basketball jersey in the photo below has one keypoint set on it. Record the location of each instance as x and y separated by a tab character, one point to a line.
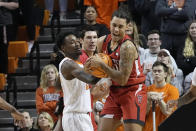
76	93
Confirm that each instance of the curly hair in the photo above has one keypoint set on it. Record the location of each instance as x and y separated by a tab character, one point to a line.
43	80
189	47
188	50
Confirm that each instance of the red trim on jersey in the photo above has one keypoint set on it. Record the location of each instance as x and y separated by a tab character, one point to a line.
136	76
83	57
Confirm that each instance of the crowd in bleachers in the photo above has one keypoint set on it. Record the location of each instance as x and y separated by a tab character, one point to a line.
164	31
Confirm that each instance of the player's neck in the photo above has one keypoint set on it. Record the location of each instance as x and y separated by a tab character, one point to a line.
113	45
73	56
89	53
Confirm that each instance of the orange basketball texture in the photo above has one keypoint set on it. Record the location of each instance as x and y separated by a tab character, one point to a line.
97	71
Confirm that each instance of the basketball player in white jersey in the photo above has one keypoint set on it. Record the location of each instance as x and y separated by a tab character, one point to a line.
76	91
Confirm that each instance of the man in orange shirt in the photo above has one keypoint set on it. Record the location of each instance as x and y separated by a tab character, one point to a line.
160	92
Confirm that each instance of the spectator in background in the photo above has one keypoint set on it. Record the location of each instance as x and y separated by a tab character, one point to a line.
45	122
131	30
104	9
149	56
48	94
32	16
49	4
91	15
28	122
149	20
138	39
173	29
5	31
160	92
186	58
175	75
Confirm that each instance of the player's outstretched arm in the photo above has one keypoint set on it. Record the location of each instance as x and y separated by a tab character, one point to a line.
6	106
189	96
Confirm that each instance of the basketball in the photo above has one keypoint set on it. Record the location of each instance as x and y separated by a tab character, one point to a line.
97	71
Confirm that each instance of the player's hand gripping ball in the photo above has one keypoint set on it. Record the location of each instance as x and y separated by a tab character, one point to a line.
92	65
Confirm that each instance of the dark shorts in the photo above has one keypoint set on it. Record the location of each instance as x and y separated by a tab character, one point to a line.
129	103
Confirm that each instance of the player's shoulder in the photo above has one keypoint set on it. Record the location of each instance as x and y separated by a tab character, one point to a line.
128	45
67	63
100	43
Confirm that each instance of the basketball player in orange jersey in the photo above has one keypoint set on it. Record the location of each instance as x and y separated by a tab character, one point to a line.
127	96
75	88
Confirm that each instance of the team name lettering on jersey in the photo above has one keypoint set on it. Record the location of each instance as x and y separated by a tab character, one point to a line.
51	97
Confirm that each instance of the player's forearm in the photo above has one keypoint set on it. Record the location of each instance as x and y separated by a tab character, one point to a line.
6	106
9	5
188	97
115	75
87	78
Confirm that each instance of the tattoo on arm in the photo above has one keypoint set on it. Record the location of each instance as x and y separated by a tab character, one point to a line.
127	57
187	98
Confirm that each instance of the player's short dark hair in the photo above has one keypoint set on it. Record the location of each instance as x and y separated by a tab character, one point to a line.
158	63
87	28
122	13
61	37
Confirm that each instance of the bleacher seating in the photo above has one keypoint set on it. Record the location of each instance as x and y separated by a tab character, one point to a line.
28	80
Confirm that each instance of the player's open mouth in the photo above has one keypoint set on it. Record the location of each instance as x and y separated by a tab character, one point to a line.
91	46
115	35
78	49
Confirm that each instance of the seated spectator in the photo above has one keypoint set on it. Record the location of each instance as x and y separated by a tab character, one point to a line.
159	93
149	56
186	58
104	9
132	31
187	82
48	94
91	15
44	122
28	122
175	76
